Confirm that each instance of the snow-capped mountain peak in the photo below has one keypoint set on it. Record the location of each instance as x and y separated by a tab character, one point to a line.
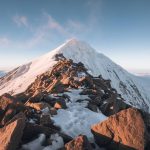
126	84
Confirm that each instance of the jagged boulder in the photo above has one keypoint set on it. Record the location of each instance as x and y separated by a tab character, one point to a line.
9	107
122	131
38	106
8	115
79	143
5	100
10	135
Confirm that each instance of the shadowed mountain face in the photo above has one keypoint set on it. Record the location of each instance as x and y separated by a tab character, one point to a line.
145	82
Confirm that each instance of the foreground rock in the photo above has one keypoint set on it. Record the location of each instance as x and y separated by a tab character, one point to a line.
10	135
9	107
79	143
123	131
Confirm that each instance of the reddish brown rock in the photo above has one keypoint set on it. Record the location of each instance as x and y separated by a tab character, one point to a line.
79	143
123	131
38	106
65	80
11	134
9	107
60	104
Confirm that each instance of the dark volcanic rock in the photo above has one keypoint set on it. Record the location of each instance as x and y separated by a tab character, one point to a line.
45	120
32	131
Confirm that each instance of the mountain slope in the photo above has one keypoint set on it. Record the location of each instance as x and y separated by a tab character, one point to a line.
145	82
2	73
61	104
125	83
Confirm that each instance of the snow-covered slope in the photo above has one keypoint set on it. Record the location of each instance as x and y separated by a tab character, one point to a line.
125	83
2	73
145	82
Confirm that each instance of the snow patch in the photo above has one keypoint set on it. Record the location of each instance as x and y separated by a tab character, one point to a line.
77	119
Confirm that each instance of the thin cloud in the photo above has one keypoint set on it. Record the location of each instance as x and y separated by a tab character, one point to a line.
20	20
48	30
94	16
75	27
4	41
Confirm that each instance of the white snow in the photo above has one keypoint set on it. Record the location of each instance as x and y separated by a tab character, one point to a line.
57	142
77	119
74	95
125	83
26	74
145	82
36	144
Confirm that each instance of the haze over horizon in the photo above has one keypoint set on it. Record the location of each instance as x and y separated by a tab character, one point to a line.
118	29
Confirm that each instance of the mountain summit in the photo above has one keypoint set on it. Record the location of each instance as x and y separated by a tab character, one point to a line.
73	98
20	78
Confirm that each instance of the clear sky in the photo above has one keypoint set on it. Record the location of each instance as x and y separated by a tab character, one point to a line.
118	28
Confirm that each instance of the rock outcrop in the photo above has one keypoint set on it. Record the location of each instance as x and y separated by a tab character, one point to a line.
122	131
10	135
9	107
79	143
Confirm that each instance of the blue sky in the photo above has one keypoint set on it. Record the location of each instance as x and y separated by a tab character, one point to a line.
118	28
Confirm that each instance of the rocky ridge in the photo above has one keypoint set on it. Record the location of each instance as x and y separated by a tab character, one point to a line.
129	86
68	89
